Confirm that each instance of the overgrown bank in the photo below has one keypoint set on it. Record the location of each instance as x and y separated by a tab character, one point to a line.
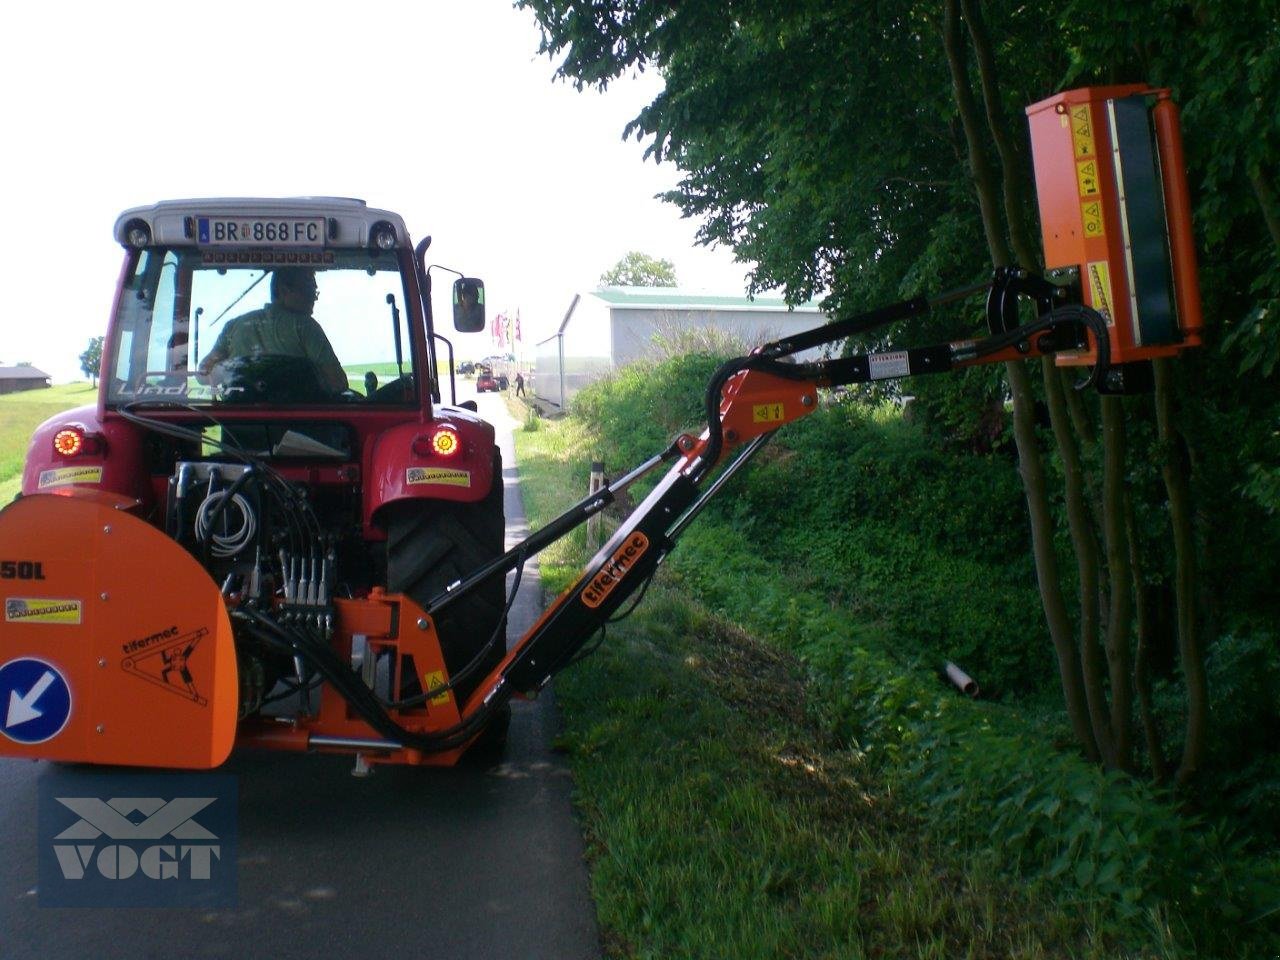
973	790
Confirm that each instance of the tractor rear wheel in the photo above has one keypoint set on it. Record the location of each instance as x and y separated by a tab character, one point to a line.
433	543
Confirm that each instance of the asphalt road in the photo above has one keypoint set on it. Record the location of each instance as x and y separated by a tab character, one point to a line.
475	861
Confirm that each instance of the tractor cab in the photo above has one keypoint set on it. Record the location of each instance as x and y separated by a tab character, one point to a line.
309	303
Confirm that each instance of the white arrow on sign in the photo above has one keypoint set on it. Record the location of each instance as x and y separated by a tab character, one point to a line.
22	708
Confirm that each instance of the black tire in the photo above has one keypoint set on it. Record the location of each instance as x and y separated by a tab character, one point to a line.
431	544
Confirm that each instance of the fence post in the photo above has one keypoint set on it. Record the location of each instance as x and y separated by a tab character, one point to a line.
595	485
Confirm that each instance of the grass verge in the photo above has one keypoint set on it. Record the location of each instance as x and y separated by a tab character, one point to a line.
20	414
723	817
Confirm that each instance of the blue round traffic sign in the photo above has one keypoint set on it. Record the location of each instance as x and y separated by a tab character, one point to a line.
35	700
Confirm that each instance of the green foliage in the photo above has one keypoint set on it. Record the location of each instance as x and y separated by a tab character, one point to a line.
1254	340
1242	768
718	825
638	410
854	183
91	359
1223	63
942	788
877	518
638	269
987	784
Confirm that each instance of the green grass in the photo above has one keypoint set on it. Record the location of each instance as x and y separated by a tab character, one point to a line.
721	823
20	414
722	820
762	773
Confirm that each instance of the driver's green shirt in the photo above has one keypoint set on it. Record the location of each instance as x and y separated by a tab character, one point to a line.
279	331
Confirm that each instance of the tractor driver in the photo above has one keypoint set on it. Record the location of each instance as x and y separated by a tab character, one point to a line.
284	327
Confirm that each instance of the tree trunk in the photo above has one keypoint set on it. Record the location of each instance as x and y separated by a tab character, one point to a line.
1030	465
1012	183
1079	416
984	179
1142	654
1088	565
1114	449
1113	731
1174	471
1048	579
1267	201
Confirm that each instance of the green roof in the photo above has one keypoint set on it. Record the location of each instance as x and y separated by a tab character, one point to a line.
674	297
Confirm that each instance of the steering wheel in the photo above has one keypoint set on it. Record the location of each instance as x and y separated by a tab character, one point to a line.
272	378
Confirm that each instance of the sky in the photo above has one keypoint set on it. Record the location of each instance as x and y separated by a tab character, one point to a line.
440	110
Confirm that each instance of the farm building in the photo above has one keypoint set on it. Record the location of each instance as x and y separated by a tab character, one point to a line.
16	379
611	327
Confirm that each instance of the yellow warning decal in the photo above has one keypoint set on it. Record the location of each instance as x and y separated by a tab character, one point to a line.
63	476
1082	131
1087	177
439	476
40	610
1100	288
436	679
767	412
1091	215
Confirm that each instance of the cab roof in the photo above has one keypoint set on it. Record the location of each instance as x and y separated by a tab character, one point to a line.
350	221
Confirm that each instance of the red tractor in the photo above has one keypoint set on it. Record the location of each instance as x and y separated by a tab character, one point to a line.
272	436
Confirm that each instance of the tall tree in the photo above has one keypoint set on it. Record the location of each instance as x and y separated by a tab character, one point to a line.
638	269
91	359
858	150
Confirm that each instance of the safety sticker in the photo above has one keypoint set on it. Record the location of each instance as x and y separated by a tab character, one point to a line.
1091	215
438	475
168	666
1082	131
611	574
767	412
436	679
36	700
886	365
1087	177
42	610
64	476
1100	288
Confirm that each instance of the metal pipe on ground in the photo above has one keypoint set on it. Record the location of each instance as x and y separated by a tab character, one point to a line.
961	680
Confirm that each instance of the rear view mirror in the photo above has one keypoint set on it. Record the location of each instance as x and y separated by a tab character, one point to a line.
468	305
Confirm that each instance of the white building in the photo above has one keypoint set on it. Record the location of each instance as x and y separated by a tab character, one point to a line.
611	327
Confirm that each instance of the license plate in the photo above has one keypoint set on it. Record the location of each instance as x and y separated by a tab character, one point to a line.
276	231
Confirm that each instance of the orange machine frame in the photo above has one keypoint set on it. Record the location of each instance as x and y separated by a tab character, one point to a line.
1091	223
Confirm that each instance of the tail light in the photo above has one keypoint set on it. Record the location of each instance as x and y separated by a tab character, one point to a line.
75	442
442	442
